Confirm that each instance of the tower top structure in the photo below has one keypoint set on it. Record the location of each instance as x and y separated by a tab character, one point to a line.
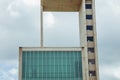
75	63
61	5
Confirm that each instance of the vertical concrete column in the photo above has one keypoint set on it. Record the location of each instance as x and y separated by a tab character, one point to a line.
83	41
20	64
41	26
93	68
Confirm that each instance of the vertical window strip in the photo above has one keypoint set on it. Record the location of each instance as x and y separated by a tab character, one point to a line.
37	64
69	65
58	65
28	64
42	64
46	64
26	67
31	63
74	64
33	72
62	57
76	70
54	63
66	66
39	61
49	63
78	66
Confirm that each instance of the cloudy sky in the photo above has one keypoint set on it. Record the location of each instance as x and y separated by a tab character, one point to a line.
20	26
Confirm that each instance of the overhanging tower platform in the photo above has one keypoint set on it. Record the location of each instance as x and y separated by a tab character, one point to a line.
61	5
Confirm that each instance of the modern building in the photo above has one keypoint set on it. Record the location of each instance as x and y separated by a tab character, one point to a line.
64	63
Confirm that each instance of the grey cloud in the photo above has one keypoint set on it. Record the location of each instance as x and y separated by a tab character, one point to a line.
20	31
108	31
65	31
108	36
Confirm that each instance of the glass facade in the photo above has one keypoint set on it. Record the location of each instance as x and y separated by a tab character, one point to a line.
51	65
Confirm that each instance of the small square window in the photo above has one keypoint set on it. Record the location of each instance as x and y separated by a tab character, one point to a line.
91	50
92	73
91	61
89	27
88	16
88	6
90	38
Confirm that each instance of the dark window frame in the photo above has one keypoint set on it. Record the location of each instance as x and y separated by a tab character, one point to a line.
90	38
92	73
88	6
91	61
89	27
91	49
89	17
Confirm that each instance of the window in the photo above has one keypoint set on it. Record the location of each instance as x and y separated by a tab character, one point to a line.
92	73
91	61
91	50
90	38
89	27
88	16
88	6
51	65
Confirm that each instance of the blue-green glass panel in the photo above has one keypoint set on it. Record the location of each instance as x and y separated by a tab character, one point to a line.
51	65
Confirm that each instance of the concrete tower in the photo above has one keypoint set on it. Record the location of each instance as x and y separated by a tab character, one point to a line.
64	63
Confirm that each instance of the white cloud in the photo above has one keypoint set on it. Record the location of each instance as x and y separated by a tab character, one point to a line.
3	31
115	7
13	71
12	9
117	72
14	13
15	4
49	19
8	71
113	71
32	3
5	76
